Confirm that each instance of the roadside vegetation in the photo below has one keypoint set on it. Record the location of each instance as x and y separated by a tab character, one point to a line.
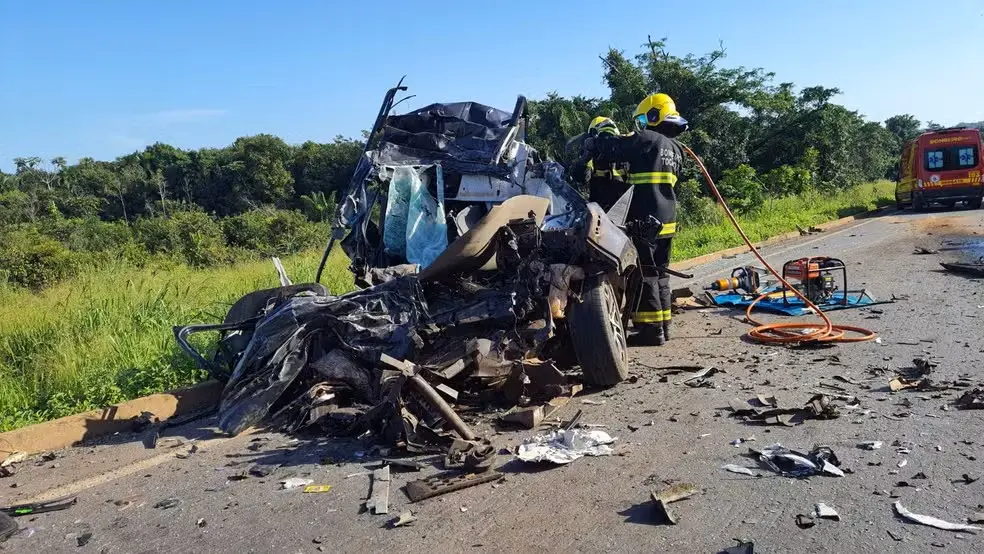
780	216
105	336
98	259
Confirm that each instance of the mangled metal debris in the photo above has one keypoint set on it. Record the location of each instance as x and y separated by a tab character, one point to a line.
436	485
378	502
766	411
479	265
975	269
820	460
971	400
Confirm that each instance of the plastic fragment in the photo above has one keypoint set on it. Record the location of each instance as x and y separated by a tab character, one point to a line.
824	511
405	518
295	482
934	522
739	469
317	488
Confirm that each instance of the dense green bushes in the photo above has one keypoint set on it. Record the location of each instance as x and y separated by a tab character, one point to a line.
36	255
33	260
271	232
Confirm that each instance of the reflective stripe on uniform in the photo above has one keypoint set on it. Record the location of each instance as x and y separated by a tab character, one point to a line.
652	178
668	228
667	315
606	173
647	317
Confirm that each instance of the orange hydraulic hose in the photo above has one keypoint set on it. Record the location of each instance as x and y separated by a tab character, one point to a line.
784	333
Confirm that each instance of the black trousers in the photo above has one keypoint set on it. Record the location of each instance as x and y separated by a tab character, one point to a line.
655	302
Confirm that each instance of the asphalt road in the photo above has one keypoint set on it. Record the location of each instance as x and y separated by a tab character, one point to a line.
681	434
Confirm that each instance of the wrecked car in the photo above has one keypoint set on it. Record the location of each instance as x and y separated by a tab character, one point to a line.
478	267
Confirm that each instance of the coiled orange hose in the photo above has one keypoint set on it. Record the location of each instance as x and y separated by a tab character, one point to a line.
785	333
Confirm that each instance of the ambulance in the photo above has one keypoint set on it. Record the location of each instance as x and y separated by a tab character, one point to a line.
941	167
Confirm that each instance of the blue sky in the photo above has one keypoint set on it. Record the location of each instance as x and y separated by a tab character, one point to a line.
105	78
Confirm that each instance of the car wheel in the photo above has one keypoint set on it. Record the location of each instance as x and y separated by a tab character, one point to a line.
598	335
975	203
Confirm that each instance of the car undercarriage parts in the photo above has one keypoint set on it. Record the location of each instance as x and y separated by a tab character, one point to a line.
412	374
444	483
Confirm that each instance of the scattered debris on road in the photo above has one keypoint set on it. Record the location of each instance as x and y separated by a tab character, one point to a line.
870	445
740	441
8	467
565	446
167	503
316	488
765	411
295	483
823	511
804	521
975	269
742	547
663	498
971	400
820	460
378	502
966	479
405	518
742	470
701	378
444	483
934	522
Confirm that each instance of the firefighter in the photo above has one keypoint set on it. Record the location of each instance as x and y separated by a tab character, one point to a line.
655	161
606	181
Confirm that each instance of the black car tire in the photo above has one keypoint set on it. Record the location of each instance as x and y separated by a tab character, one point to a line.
598	334
975	203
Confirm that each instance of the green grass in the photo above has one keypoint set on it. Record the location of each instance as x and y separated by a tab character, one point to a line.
105	336
781	216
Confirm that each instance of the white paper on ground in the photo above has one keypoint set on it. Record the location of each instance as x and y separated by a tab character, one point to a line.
295	482
565	446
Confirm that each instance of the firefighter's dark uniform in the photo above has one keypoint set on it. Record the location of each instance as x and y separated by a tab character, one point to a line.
655	162
606	183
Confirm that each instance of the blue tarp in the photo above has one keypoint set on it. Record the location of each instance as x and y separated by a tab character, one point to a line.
793	305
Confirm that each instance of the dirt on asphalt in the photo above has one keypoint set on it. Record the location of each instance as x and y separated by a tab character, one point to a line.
667	433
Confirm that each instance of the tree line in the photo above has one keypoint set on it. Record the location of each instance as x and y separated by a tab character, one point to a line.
758	138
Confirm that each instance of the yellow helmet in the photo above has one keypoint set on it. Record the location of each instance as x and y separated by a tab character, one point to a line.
602	124
655	109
